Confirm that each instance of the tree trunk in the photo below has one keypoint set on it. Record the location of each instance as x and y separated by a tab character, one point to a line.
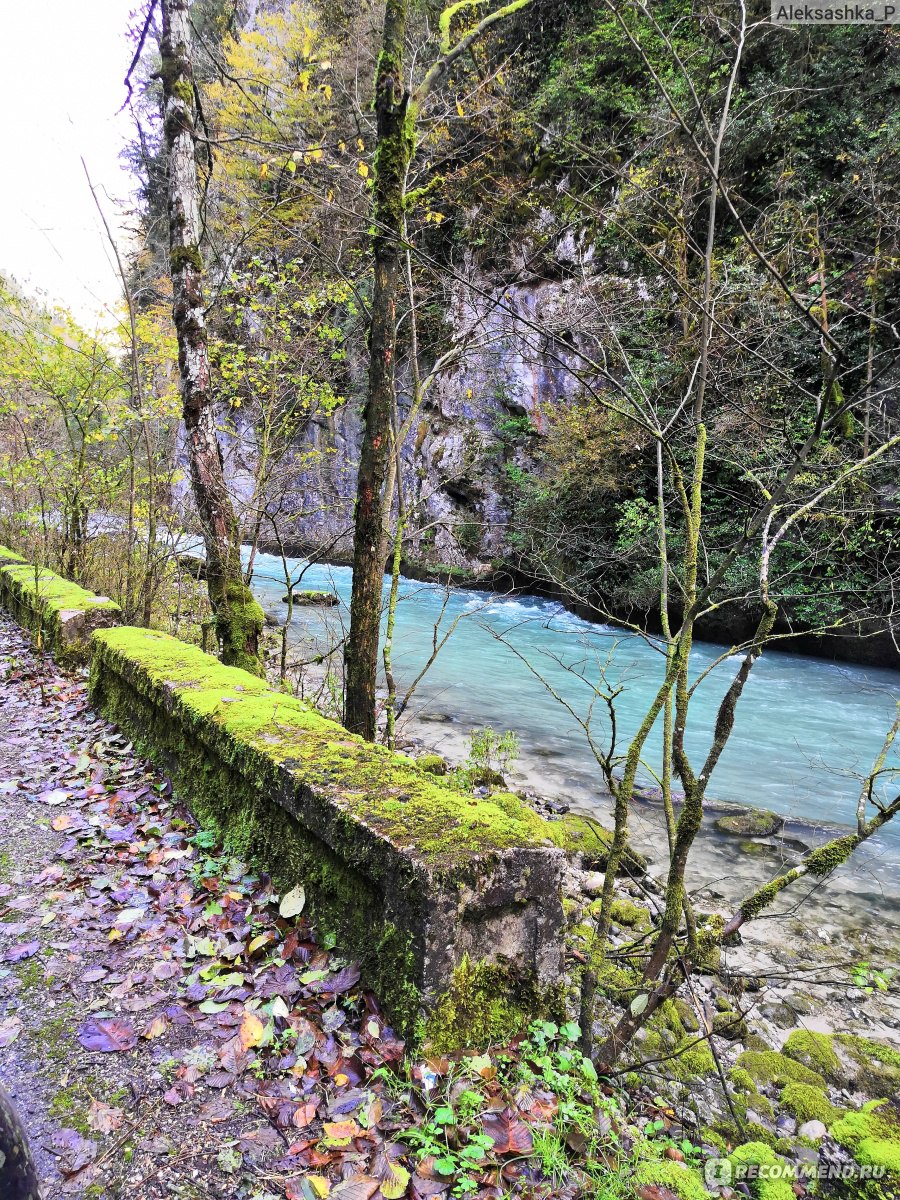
239	619
395	139
18	1178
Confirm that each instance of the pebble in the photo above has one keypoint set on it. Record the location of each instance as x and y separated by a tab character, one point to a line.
592	883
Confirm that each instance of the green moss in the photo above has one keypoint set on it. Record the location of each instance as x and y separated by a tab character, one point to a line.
181	257
879	1066
389	794
768	1066
730	1025
578	835
632	916
689	1058
432	764
742	1080
816	1051
685	1183
753	1155
872	1136
370	824
69	1106
486	1005
38	599
808	1103
829	857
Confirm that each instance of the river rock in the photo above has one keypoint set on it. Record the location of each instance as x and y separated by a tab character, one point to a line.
755	822
312	599
592	883
814	1130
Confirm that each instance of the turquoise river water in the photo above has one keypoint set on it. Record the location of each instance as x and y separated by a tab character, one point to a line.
806	731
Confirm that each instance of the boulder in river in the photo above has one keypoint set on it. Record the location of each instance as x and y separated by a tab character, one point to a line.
313	599
754	822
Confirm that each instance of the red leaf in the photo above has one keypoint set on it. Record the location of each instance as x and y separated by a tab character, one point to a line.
107	1036
510	1135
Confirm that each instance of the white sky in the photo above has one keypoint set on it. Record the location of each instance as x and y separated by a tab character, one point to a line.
61	68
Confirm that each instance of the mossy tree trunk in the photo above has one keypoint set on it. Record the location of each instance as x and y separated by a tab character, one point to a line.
392	158
397	111
239	619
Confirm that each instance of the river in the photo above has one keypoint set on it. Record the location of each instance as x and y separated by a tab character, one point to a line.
807	729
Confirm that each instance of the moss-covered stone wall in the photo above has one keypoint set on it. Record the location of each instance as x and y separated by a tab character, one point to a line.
413	878
60	612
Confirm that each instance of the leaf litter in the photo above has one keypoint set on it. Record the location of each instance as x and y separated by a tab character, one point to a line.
248	1058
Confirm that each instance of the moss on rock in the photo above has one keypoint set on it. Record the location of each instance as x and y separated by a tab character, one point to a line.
486	1005
683	1181
816	1051
808	1103
768	1066
756	822
872	1136
745	1162
393	863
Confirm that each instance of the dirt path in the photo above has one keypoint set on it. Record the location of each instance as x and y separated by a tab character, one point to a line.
164	1032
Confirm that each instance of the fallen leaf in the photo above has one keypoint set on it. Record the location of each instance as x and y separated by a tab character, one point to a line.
340	1133
103	1118
156	1028
25	950
10	1028
305	1114
107	1036
293	903
509	1134
252	1031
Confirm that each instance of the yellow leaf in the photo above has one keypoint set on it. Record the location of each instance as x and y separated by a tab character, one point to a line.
251	1031
303	81
363	170
460	111
342	146
156	1028
395	1187
116	935
437	218
500	78
263	170
319	1184
326	91
360	145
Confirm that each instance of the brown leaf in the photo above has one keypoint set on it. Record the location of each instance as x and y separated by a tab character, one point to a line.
341	1133
509	1134
155	1029
359	1187
102	1118
654	1191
